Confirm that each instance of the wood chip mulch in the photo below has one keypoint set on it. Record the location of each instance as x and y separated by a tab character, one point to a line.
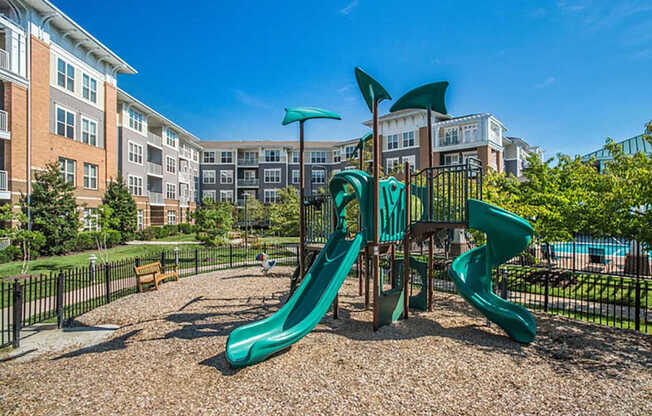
168	359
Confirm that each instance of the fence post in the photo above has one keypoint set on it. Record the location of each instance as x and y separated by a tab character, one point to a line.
176	256
503	283
91	267
230	256
637	299
163	259
107	281
60	300
546	293
574	253
196	261
18	312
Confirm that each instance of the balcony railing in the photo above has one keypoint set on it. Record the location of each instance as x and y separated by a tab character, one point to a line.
4	121
4	59
155	197
154	168
247	162
248	182
3	181
154	139
185	177
185	153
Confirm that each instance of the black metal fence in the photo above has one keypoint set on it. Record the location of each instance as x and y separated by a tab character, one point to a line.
319	211
62	296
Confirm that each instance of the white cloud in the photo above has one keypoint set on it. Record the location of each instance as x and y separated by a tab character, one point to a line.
250	100
546	83
349	7
344	89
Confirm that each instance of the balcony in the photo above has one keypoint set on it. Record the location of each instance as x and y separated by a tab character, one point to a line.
4	60
185	153
247	162
248	182
185	177
4	125
155	198
154	169
5	195
155	140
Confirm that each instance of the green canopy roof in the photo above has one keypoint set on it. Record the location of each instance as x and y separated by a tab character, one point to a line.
427	96
293	114
364	139
370	88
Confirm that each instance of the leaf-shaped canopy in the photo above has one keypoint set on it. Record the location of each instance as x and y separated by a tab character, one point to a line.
293	114
362	141
370	88
427	96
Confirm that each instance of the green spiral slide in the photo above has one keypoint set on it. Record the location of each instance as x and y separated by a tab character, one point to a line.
507	236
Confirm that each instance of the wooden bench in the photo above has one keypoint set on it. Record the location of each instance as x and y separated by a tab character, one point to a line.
153	273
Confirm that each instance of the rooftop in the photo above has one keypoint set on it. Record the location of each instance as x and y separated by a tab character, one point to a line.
630	146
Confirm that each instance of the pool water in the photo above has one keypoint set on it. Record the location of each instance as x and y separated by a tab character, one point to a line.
583	248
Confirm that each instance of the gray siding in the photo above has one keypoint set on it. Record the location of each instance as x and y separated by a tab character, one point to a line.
80	109
126	167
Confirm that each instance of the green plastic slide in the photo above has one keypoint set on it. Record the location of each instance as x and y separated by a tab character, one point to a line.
253	343
507	236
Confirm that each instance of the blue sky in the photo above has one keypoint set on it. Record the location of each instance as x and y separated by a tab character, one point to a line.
562	74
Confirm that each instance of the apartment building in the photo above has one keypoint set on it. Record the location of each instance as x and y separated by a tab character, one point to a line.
159	161
516	154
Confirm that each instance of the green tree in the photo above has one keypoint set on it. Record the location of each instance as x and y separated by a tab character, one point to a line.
213	221
16	231
53	210
123	208
284	215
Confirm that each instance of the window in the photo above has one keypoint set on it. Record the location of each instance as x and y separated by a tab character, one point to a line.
89	88
318	177
408	139
450	136
171	138
135	120
317	157
249	158
468	155
65	75
226	176
451	159
195	155
494	133
392	142
67	168
411	160
272	175
90	176
270	196
295	156
391	163
140	219
135	185
65	123
172	217
209	157
170	165
135	153
337	155
248	194
295	176
208	176
90	219
171	191
226	196
89	131
273	155
208	195
470	133
226	157
350	152
249	175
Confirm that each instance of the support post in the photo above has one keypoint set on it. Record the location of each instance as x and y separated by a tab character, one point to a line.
376	203
92	267
361	167
17	312
367	275
176	256
637	295
230	256
302	208
107	281
336	301
431	240
406	243
60	283
196	261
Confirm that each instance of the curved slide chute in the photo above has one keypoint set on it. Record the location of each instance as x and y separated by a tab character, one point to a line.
507	236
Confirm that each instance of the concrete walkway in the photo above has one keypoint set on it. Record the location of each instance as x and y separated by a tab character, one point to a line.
161	243
44	338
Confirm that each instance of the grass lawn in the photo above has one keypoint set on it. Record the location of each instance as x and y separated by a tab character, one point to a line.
178	237
279	240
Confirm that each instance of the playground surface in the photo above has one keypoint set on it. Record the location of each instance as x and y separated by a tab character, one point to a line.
167	357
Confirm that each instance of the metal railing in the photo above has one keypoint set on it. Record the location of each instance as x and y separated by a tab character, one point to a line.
4	181
185	153
319	212
155	197
248	181
4	59
4	121
154	168
154	139
247	162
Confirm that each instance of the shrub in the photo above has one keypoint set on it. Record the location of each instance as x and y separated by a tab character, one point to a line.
113	238
172	229
146	234
186	228
160	232
85	241
10	253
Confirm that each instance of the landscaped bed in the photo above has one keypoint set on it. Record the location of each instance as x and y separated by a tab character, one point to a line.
168	358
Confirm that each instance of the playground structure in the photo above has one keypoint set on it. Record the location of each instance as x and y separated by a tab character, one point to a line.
393	216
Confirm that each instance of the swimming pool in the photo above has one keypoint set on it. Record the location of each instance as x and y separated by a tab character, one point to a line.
583	248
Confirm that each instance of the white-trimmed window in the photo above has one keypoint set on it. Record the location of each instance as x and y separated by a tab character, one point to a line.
172	216
408	139
89	88
65	123
226	196
65	75
171	138
135	153
272	155
135	120
392	142
89	131
171	191
226	157
226	176
209	157
318	157
140	219
272	175
295	156
210	195
350	151
451	136
90	219
270	196
90	176
391	163
208	176
471	133
494	132
318	176
467	155
295	176
135	185
452	159
249	158
67	167
411	160
170	165
337	155
195	155
249	194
